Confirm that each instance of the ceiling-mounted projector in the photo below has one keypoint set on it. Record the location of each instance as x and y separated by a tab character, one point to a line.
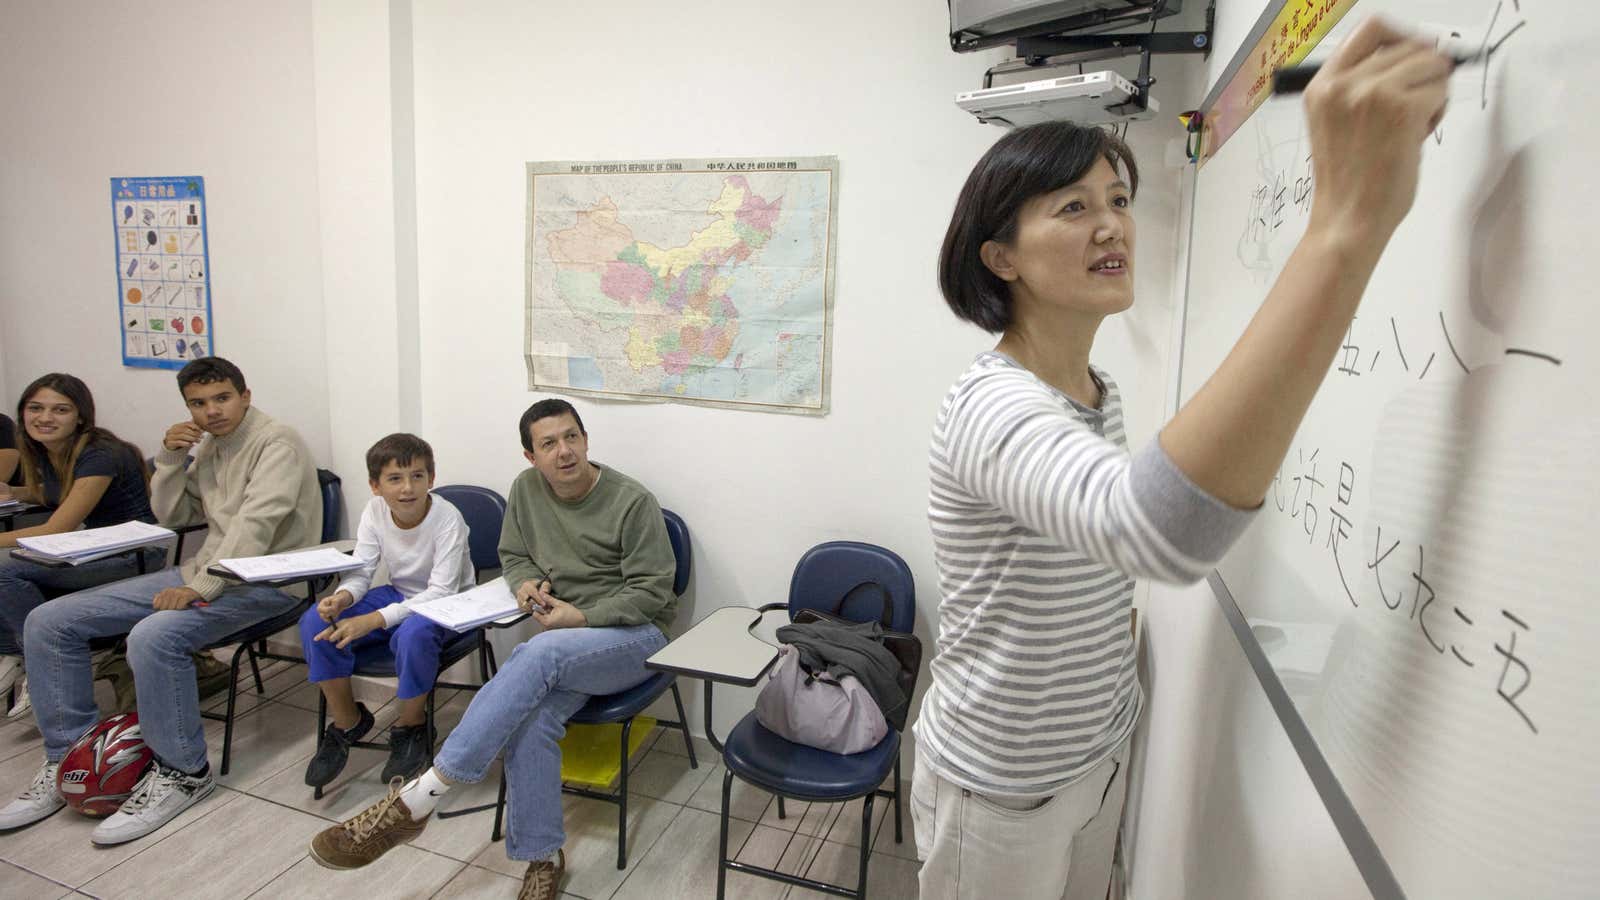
1090	99
981	23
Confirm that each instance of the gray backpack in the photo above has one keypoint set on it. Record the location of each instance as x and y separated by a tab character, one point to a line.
818	710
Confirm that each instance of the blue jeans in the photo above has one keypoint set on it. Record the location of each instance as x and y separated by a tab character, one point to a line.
523	711
413	645
25	586
161	645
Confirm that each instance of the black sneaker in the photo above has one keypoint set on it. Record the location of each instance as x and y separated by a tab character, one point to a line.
334	751
409	752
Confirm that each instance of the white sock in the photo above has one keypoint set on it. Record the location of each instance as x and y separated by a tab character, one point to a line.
422	795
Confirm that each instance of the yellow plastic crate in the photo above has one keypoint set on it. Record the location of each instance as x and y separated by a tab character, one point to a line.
589	752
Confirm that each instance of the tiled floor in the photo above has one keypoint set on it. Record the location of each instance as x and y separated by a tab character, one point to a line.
249	839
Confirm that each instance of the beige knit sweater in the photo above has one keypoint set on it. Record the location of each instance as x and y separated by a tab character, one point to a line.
256	490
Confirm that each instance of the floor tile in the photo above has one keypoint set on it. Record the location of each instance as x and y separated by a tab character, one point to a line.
799	816
265	741
844	821
21	738
258	840
672	742
356	787
15	882
666	777
58	848
684	861
747	802
885	842
888	877
403	873
473	882
591	846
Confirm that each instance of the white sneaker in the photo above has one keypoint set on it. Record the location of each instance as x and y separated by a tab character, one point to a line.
10	671
39	801
157	799
20	705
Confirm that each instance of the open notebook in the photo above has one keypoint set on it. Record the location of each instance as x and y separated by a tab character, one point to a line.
469	609
84	545
298	564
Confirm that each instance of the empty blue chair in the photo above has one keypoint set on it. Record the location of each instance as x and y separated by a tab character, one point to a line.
863	583
483	510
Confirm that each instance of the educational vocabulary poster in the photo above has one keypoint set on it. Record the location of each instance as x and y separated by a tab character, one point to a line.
163	270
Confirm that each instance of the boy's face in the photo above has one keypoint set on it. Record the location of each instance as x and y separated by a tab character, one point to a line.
404	488
216	406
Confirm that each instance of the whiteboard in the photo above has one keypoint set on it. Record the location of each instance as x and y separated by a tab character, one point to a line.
1423	578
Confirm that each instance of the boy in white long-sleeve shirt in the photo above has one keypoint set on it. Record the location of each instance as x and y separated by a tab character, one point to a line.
423	540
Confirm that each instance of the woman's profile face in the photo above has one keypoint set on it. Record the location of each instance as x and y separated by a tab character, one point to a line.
1074	246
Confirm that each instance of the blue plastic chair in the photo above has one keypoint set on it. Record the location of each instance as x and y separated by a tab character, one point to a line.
830	578
622	707
483	510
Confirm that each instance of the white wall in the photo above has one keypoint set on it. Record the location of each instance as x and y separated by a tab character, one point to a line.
227	96
501	83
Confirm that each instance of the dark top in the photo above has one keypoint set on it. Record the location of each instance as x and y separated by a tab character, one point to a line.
8	441
126	499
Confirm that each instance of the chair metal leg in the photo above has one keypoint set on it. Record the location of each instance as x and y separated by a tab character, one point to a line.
255	669
622	801
499	808
322	727
428	723
782	814
233	697
683	724
722	847
866	845
899	838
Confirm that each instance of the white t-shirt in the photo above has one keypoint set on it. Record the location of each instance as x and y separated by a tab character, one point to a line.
427	561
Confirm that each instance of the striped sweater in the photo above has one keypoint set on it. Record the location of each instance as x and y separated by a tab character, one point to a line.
1041	520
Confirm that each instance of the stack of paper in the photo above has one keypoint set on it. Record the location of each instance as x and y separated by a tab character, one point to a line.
288	566
78	547
469	609
9	504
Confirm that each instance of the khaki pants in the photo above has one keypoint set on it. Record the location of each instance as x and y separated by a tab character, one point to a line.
976	846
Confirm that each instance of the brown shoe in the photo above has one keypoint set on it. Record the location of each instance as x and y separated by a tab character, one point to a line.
373	832
543	878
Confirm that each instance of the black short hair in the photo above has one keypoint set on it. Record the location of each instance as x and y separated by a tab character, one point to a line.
546	409
400	448
209	370
1020	166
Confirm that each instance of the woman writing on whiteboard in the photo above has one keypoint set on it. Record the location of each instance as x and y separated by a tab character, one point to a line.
1041	519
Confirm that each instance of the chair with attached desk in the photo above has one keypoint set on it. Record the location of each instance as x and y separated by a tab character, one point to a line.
483	510
830	578
252	641
621	708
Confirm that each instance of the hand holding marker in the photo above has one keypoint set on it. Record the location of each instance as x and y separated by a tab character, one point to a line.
1296	78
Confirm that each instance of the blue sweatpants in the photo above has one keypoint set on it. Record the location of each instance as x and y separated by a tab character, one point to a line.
413	646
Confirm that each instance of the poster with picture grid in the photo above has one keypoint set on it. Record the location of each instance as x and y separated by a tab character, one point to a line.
163	270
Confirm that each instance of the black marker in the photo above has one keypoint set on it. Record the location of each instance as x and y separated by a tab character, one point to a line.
1293	79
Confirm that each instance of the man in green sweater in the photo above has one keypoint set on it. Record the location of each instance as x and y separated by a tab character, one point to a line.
253	484
586	551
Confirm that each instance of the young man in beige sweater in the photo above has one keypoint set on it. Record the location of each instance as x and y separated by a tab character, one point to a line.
253	484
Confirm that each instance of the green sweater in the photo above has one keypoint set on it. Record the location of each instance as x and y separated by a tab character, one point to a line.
609	552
